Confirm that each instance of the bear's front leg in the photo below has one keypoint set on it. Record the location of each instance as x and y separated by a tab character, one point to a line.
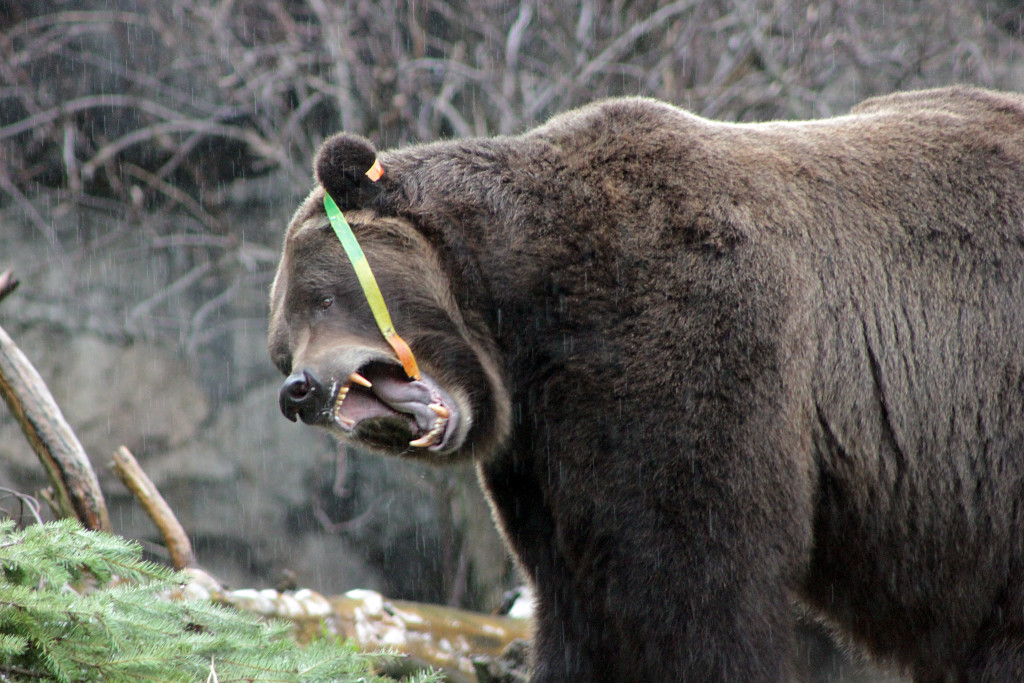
645	601
654	563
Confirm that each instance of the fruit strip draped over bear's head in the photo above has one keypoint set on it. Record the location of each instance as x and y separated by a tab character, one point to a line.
706	371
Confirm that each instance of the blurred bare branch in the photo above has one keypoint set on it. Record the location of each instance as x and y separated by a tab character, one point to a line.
160	86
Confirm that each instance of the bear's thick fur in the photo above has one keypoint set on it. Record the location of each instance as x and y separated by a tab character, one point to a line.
705	370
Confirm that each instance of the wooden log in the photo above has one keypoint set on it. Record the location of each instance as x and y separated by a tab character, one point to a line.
438	636
75	486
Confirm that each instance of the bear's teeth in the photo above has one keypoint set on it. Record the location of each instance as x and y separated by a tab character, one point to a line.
342	393
356	378
424	441
430	438
441	411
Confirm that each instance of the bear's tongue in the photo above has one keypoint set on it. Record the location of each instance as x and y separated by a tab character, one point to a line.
392	395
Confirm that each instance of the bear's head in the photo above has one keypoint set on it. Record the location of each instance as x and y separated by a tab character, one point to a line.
341	372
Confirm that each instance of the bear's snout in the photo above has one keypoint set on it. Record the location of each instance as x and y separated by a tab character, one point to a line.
300	396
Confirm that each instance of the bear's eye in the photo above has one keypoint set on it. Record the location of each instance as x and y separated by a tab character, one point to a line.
325	303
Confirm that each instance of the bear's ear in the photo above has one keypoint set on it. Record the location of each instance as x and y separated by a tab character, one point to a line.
341	166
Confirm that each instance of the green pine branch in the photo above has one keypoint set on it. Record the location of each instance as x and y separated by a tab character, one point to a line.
79	605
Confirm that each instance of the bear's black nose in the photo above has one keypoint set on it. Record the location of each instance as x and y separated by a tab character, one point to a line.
299	395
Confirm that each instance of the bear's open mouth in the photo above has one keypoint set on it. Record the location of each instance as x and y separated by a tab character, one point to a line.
383	406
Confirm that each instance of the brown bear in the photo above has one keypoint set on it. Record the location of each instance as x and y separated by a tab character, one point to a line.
705	370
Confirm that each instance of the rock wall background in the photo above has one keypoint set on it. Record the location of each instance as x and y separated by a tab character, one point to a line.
151	154
258	495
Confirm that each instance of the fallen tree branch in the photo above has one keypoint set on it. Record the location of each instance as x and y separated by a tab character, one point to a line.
460	642
8	283
75	487
127	469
